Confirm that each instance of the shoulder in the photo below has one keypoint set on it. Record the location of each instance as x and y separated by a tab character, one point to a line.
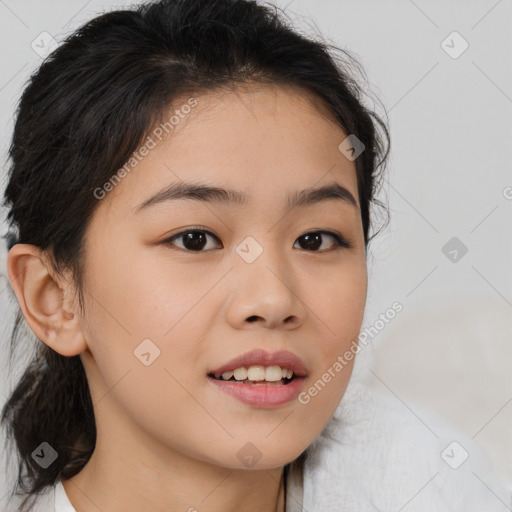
378	453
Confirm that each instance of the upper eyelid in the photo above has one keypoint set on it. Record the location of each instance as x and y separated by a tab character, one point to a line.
189	230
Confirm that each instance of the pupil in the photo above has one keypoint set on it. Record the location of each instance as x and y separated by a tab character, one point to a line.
194	241
313	241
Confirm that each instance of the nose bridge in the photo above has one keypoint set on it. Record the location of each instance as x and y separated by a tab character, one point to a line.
263	284
262	262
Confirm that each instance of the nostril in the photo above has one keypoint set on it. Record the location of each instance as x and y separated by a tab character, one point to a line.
252	318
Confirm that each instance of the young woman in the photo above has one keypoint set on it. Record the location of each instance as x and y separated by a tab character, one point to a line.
190	188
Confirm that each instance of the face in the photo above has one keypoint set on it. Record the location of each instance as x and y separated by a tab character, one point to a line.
181	286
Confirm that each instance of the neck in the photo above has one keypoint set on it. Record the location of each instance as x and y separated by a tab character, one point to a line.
151	477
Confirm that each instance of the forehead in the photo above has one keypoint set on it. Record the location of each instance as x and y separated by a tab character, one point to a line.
259	139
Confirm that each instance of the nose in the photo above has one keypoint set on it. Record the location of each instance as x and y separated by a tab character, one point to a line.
266	293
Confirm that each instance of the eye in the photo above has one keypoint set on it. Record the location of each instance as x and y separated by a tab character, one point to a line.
192	239
313	240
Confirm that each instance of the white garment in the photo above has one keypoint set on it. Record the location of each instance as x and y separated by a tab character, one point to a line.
379	455
62	503
53	499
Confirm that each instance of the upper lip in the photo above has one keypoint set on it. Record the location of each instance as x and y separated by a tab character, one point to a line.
282	358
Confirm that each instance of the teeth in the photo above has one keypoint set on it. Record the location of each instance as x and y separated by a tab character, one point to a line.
273	373
258	373
240	373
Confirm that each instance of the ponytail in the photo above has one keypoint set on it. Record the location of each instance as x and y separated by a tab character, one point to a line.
51	404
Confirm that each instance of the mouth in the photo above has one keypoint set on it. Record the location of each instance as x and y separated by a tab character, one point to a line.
261	379
261	367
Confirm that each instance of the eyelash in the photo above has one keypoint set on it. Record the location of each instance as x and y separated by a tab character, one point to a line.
340	242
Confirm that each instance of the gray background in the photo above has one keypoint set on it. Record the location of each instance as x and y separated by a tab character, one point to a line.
450	349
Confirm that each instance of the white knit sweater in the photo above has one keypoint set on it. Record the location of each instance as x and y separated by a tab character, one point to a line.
378	454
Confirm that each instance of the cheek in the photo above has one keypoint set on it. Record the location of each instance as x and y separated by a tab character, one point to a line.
142	296
337	303
158	314
156	396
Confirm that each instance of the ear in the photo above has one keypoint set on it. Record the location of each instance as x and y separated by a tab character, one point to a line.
45	299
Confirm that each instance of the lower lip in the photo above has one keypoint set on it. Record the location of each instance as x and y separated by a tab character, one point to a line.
261	395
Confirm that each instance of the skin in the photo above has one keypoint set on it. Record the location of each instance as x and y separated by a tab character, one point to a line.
168	439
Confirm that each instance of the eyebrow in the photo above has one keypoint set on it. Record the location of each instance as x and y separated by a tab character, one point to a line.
206	193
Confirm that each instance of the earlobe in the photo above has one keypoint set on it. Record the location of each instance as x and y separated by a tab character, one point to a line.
43	299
